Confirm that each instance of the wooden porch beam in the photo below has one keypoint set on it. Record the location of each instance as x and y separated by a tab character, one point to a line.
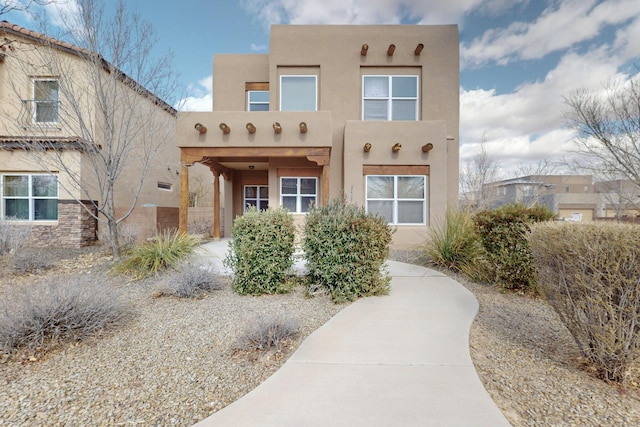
183	213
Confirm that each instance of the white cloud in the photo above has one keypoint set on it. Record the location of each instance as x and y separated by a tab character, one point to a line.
557	28
527	125
202	98
191	103
360	11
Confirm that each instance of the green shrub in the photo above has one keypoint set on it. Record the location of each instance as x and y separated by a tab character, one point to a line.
60	310
454	244
167	250
191	281
590	274
261	252
503	233
346	249
268	332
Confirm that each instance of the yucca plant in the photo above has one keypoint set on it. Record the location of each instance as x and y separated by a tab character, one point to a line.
166	250
453	243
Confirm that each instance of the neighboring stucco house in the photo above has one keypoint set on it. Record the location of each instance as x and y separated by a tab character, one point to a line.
369	112
34	109
570	197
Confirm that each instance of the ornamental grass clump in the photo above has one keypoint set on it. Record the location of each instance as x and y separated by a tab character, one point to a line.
59	310
346	249
261	252
166	250
503	232
454	243
590	274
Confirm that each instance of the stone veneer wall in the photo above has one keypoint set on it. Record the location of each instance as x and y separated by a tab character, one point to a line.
75	227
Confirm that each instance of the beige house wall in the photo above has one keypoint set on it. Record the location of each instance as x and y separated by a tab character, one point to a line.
333	54
152	124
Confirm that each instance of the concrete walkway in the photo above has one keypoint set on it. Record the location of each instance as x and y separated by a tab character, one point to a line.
397	360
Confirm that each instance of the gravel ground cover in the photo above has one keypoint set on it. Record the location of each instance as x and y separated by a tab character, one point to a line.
532	368
175	363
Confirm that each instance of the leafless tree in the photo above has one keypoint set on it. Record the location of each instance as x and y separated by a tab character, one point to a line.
112	98
474	176
608	129
7	6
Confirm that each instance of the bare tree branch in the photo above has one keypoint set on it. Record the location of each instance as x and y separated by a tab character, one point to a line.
111	90
21	5
608	129
481	170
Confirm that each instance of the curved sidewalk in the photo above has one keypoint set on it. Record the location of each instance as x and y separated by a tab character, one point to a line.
397	360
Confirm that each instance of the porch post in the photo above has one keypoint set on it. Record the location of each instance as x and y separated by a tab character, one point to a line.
216	205
183	213
325	185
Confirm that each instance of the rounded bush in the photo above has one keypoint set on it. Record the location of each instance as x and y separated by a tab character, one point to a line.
590	274
503	233
346	248
261	252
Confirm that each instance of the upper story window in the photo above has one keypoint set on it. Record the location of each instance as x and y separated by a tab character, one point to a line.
29	197
298	93
45	101
258	100
390	98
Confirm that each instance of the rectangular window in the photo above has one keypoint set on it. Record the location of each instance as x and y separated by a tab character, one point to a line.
30	197
45	101
256	195
400	199
298	194
390	98
298	93
258	100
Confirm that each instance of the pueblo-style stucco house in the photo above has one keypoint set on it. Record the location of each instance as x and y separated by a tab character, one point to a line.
369	113
46	88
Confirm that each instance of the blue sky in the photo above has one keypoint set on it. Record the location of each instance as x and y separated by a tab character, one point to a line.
518	57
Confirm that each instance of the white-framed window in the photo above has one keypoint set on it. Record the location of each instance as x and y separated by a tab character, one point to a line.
257	100
299	93
390	97
256	195
45	101
29	197
298	194
400	199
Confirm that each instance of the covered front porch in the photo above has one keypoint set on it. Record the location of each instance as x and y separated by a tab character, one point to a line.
261	159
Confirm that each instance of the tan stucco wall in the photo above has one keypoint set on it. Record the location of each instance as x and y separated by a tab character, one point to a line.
412	136
231	72
31	60
337	49
333	54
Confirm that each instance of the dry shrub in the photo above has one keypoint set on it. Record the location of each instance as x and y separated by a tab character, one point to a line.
32	261
268	332
192	281
590	274
58	310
